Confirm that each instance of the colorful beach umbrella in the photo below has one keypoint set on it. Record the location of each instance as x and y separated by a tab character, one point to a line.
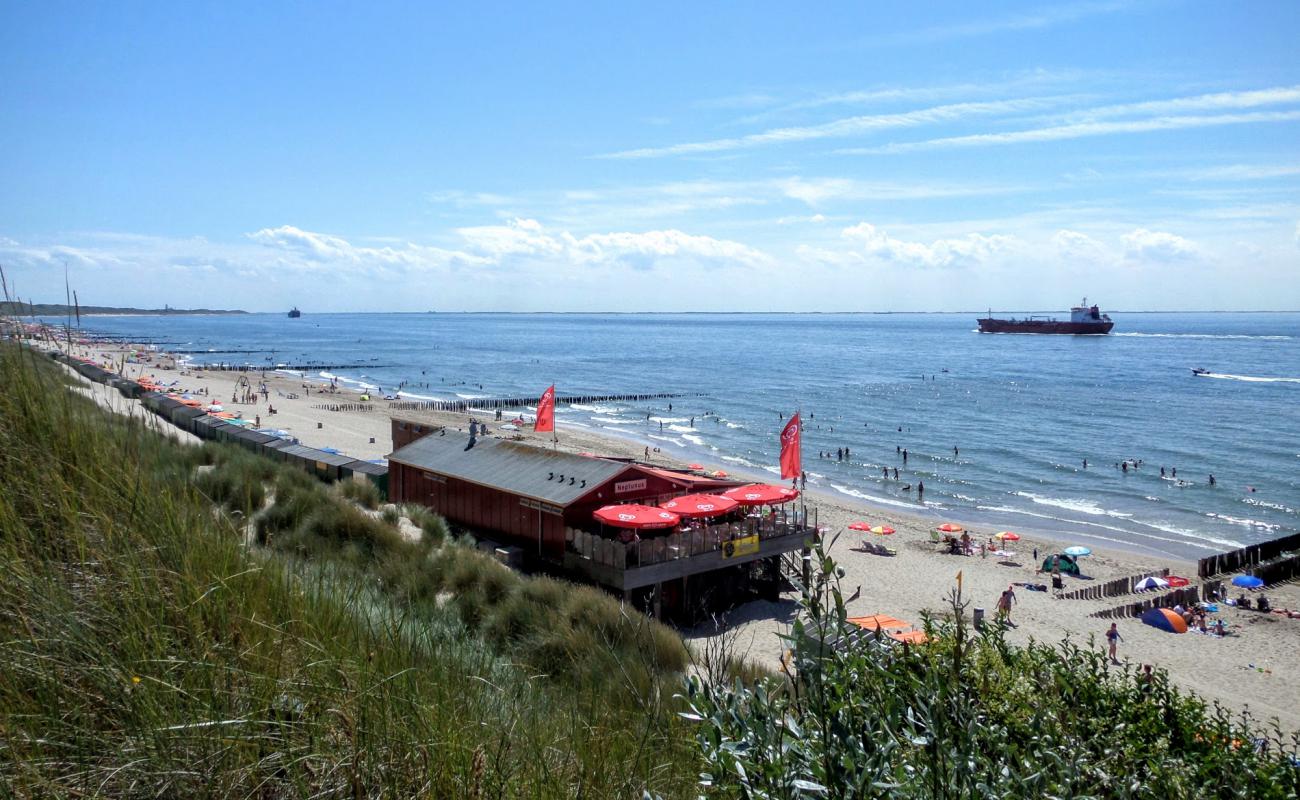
950	527
760	494
1007	536
1077	551
700	505
883	530
695	466
1165	620
859	526
1247	582
1147	584
636	516
1177	582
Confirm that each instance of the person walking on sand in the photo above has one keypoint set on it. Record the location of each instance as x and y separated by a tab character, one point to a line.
1004	605
1113	637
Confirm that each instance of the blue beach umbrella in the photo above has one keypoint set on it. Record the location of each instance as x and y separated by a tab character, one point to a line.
1077	550
1247	582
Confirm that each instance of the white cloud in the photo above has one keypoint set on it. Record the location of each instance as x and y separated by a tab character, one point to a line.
308	249
1080	130
973	248
1145	245
1074	246
849	126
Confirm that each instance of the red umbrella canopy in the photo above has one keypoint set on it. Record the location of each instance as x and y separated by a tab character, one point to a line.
1176	581
695	466
859	526
636	516
700	505
951	527
761	494
883	530
1007	536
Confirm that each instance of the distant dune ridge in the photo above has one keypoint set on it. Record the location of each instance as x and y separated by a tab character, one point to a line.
20	309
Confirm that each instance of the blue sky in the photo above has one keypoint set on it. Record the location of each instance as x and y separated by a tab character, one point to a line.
857	157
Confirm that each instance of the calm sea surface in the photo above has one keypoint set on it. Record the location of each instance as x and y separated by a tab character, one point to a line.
1023	410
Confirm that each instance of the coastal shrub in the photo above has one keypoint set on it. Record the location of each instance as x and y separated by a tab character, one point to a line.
144	652
391	515
363	492
433	526
969	716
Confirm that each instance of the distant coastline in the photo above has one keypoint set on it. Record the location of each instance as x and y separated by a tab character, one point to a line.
18	309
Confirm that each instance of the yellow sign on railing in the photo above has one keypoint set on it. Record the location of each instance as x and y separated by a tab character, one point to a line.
744	546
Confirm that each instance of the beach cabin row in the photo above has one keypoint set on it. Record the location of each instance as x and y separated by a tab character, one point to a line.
326	466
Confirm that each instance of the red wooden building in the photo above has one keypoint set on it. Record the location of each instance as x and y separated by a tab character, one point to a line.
524	494
542	501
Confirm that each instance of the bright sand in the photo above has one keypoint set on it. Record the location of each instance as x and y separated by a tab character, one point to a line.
1258	667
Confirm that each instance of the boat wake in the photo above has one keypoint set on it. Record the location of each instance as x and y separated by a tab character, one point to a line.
1263	337
1248	378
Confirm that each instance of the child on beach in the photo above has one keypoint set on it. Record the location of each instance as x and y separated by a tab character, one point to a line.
1113	637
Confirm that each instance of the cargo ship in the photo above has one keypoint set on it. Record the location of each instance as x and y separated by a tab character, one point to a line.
1084	319
294	313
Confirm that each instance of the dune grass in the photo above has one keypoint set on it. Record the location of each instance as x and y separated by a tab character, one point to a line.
145	649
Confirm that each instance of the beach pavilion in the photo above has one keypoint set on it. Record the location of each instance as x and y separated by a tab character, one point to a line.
541	503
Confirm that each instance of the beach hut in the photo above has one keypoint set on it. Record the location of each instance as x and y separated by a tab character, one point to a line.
1164	619
369	470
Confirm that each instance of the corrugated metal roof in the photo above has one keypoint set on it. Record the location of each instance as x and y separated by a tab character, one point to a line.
367	468
302	451
511	466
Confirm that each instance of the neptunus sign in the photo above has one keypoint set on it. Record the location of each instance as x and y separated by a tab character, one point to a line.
623	487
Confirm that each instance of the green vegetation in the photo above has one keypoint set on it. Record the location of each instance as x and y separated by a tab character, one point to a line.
972	717
147	650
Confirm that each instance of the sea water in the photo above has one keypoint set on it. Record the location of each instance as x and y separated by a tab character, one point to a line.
1023	412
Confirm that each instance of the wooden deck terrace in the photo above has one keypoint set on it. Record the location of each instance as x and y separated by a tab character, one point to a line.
625	566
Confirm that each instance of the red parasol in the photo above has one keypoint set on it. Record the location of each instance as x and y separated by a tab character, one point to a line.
700	505
695	466
883	530
859	526
950	527
636	516
1176	582
1007	536
761	494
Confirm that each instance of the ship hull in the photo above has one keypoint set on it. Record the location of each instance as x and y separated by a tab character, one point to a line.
1043	326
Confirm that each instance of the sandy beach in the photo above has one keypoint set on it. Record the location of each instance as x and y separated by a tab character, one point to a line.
1257	667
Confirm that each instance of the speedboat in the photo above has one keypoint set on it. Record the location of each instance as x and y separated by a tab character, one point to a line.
1200	371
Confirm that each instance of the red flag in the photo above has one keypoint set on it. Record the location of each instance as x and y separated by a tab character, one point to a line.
546	411
792	448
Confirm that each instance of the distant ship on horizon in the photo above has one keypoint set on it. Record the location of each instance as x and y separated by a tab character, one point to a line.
294	313
1084	319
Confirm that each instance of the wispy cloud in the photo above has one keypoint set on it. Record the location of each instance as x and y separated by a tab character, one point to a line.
848	126
1032	20
1218	101
1078	131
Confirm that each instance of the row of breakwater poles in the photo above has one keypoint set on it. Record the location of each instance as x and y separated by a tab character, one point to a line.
503	403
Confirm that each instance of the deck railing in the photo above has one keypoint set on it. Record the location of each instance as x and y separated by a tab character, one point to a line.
658	548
